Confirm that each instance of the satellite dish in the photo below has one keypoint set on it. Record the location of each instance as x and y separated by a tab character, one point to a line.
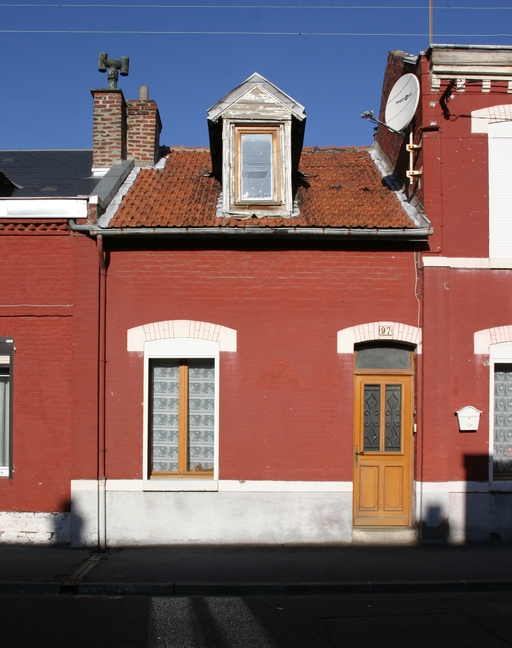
402	102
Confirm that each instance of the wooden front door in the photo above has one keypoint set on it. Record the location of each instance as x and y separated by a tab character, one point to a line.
383	450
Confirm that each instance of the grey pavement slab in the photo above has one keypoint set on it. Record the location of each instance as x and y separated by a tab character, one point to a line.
38	564
262	570
305	564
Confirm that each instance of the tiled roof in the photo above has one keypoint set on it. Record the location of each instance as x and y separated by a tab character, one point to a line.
47	174
340	188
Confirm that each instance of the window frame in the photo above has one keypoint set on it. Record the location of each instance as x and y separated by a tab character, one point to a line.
233	203
178	349
276	198
6	364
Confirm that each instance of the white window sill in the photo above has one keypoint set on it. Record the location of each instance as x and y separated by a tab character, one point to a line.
500	486
180	485
162	485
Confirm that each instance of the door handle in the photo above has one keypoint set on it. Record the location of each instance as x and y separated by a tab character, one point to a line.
357	455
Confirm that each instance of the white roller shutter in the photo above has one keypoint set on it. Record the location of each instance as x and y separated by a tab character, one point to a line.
500	190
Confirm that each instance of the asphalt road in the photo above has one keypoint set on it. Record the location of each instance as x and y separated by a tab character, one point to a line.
471	620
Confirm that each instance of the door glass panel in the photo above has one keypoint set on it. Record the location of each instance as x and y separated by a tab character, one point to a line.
383	356
502	451
393	418
371	417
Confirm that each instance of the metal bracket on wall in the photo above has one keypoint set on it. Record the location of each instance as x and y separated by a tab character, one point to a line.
411	148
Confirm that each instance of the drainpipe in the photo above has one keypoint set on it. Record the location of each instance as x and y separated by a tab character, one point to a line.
102	480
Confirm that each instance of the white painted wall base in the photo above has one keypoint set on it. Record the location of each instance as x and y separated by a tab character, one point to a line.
254	513
246	516
34	528
458	512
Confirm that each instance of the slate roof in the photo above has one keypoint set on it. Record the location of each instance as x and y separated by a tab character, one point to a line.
340	188
46	174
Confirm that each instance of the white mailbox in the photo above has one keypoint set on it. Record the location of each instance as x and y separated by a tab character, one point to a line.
469	417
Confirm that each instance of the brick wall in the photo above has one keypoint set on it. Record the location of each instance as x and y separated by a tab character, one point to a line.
48	305
286	396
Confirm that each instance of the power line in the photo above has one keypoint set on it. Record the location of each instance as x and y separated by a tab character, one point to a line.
199	6
241	33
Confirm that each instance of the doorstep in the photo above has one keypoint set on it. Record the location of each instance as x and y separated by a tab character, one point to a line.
385	535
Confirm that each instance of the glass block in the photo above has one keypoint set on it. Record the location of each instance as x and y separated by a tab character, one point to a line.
165	415
201	415
502	450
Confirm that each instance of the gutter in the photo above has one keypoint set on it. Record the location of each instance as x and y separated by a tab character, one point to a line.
413	234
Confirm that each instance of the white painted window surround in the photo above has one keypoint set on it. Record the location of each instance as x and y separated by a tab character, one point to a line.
481	118
181	339
170	329
383	331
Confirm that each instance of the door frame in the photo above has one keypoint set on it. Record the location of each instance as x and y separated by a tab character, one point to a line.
403	458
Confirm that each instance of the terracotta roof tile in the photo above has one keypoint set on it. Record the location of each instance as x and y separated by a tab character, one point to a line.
340	188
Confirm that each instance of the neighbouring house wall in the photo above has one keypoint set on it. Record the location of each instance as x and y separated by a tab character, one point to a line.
48	305
36	310
461	302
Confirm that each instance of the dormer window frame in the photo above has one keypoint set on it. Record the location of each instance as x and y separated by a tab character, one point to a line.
280	203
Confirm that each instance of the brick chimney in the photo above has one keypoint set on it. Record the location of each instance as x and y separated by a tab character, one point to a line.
124	129
144	126
108	129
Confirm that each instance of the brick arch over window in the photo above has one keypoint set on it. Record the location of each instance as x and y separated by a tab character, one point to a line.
226	337
483	339
480	119
379	331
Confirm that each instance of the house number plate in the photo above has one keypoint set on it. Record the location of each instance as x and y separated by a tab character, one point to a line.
385	330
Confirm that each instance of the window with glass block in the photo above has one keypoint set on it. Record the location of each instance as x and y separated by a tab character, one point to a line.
502	450
182	417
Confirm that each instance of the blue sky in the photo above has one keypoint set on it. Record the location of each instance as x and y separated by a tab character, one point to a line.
329	56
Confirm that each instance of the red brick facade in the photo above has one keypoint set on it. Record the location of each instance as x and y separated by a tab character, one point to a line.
287	395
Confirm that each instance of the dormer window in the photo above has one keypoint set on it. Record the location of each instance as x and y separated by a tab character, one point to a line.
256	178
256	135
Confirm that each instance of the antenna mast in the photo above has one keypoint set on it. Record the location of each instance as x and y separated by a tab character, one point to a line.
431	21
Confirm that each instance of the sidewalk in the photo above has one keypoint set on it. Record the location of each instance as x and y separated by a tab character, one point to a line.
246	570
